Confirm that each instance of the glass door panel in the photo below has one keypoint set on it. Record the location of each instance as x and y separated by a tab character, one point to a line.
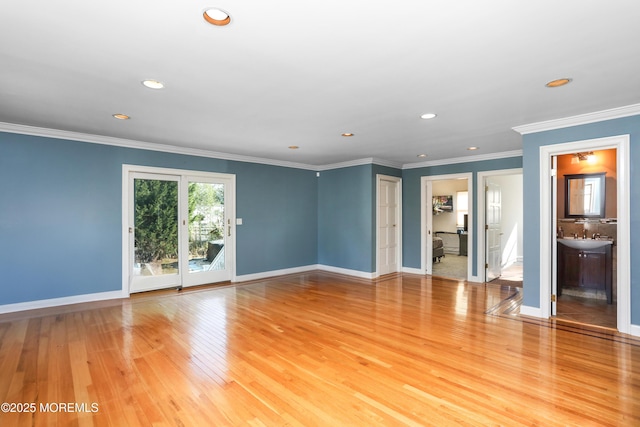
207	230
180	228
156	261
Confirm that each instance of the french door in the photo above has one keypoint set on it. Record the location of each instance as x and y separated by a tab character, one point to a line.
180	228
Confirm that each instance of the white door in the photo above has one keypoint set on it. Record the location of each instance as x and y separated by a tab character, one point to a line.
181	229
493	230
388	225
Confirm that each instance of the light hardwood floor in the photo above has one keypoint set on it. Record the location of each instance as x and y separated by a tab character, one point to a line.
315	349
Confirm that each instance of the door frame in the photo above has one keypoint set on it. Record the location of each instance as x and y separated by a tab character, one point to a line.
127	236
621	143
398	181
426	221
482	176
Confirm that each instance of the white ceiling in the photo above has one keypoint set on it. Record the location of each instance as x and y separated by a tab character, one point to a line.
301	73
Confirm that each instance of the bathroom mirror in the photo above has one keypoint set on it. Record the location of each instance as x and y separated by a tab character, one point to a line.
584	195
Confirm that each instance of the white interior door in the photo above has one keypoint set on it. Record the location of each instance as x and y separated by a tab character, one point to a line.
493	228
181	228
388	225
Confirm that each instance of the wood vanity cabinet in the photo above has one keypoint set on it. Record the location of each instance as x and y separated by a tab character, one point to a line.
585	268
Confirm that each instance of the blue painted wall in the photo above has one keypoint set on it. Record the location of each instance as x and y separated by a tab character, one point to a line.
531	159
411	202
345	221
60	215
347	216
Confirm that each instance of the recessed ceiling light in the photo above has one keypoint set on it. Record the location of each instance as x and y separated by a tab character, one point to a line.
121	116
558	82
422	155
428	116
347	134
218	17
293	147
472	148
153	84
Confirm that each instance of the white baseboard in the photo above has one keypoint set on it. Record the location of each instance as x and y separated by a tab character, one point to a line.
274	273
634	330
531	311
347	272
55	302
303	269
413	271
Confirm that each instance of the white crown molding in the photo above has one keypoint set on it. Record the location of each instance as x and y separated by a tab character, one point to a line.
359	162
141	145
581	119
466	159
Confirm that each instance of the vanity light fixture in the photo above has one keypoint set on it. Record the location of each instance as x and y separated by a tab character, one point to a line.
121	116
559	82
580	157
293	147
217	17
153	84
422	156
347	134
472	148
428	116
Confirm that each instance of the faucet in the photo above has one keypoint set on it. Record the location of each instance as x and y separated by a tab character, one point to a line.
584	233
595	236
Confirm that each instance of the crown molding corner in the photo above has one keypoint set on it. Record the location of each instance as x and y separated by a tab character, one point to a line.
466	159
581	119
142	145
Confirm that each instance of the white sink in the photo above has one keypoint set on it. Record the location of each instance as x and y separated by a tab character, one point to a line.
584	243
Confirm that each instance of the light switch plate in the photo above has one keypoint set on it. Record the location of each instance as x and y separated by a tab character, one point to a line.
238	221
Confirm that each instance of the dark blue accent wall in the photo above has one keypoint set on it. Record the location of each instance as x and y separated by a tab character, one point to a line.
61	214
531	159
411	202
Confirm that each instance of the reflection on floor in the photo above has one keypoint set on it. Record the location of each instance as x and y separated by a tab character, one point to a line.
591	311
510	276
574	308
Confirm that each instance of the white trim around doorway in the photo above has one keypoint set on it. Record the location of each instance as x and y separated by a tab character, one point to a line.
621	144
426	221
398	181
480	265
127	170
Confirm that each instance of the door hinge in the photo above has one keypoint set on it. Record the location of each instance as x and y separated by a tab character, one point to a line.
486	265
553	298
486	226
553	172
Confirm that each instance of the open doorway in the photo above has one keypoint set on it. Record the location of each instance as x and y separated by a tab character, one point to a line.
586	213
446	207
549	226
500	211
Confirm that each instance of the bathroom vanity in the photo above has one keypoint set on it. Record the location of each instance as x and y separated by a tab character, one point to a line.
586	264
